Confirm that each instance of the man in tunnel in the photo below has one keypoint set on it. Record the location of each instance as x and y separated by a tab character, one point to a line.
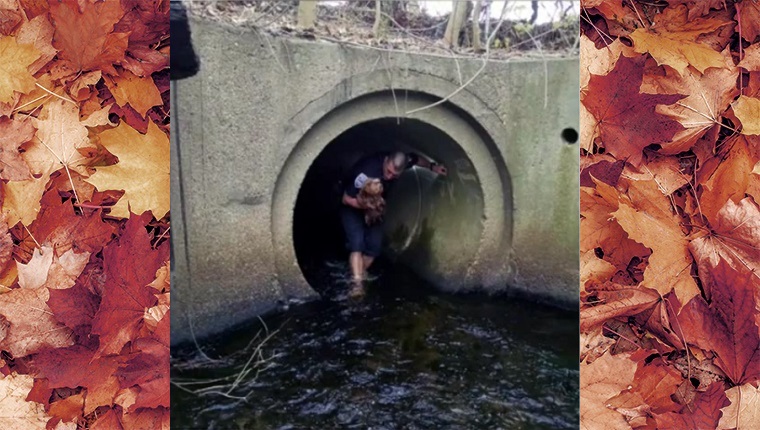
364	241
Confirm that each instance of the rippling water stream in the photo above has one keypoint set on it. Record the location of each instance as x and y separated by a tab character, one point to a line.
406	357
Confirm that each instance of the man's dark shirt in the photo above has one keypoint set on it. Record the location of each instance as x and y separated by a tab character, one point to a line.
370	167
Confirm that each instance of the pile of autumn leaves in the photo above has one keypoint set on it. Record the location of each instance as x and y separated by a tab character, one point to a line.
670	223
84	191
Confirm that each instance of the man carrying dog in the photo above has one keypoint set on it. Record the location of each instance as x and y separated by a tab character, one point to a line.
364	241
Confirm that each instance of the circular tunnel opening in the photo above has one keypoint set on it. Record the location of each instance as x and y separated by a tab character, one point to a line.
433	223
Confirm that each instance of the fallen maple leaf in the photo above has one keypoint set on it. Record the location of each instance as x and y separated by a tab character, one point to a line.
616	302
59	226
149	370
85	36
698	8
735	238
15	412
750	19
60	135
727	325
671	40
597	388
705	415
14	61
126	293
14	133
747	109
744	410
78	366
625	118
652	224
142	171
22	199
39	33
709	94
141	93
33	327
731	179
34	273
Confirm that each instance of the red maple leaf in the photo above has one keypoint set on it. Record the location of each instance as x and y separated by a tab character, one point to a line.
705	415
59	226
150	369
76	306
626	119
727	325
126	293
75	366
84	34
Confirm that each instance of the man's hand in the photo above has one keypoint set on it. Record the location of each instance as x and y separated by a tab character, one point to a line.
439	169
351	201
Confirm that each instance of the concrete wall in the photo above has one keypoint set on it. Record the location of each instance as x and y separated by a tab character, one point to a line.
261	106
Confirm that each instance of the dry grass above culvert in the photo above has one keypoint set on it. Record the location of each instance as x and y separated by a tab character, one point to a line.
409	31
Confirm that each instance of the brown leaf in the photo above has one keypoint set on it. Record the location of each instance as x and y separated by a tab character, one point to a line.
735	238
731	179
39	33
15	412
14	61
744	410
750	19
617	302
671	40
60	135
670	261
597	387
141	93
126	293
14	133
747	109
108	421
705	415
85	36
32	326
625	119
709	95
727	325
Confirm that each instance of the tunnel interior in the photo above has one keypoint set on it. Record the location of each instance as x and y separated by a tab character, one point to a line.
426	214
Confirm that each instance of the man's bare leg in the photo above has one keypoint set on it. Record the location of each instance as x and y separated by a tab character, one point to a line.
357	266
367	261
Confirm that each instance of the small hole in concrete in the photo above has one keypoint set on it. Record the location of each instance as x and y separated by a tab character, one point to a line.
569	136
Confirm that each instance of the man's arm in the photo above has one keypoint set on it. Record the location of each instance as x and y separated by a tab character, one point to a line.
351	201
423	162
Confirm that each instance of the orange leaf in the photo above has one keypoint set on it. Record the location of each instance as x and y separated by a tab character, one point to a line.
141	93
14	133
84	34
671	40
14	62
597	387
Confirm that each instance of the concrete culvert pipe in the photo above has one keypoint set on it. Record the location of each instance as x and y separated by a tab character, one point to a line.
452	231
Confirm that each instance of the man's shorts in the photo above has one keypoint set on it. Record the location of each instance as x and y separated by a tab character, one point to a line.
360	237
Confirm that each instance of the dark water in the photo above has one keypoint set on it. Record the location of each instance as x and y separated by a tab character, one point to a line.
405	357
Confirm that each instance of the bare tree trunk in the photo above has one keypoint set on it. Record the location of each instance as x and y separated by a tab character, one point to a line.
382	7
307	13
456	22
476	26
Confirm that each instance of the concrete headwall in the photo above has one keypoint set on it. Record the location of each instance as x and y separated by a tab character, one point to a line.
261	110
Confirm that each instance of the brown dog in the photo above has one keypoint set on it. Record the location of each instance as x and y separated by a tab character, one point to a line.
371	198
